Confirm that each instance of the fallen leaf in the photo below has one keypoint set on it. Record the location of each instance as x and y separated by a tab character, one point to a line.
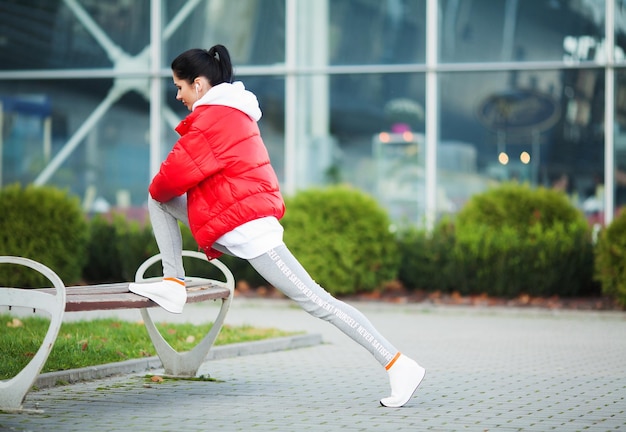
190	339
15	323
156	379
243	287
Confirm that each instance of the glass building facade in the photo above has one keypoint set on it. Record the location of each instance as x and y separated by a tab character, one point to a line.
420	103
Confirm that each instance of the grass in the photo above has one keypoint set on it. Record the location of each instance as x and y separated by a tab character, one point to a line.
89	343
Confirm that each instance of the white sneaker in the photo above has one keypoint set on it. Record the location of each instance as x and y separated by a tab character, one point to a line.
405	376
170	293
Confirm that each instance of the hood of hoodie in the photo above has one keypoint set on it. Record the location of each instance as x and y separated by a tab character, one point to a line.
232	95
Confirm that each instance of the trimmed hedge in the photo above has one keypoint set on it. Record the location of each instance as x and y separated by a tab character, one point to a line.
117	247
543	261
507	241
515	239
44	224
520	207
103	261
341	236
427	259
610	259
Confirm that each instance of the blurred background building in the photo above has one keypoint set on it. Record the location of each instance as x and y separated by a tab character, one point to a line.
421	103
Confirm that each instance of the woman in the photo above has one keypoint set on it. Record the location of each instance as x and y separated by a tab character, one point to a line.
218	181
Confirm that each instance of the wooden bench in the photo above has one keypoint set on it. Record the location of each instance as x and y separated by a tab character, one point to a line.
60	299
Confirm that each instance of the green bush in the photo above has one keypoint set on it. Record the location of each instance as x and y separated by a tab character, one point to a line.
44	224
544	261
117	247
135	244
103	261
610	259
518	206
507	241
513	239
341	236
427	259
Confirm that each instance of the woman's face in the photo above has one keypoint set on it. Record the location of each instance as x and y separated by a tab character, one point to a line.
187	93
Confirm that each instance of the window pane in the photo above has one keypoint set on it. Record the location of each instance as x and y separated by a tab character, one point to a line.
620	139
528	30
110	163
620	32
52	35
270	92
252	30
377	32
541	127
377	123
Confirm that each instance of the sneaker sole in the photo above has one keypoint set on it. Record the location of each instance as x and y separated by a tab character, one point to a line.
403	402
165	304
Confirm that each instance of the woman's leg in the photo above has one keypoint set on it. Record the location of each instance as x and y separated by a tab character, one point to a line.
280	268
164	218
169	293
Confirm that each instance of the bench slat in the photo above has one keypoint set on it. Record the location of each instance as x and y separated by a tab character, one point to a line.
121	287
116	288
117	296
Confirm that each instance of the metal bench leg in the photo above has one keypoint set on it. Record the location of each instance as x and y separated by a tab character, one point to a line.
186	364
13	391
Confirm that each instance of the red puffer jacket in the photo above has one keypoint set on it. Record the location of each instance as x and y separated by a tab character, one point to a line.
222	164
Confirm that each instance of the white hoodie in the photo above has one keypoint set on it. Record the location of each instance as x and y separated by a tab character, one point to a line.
232	95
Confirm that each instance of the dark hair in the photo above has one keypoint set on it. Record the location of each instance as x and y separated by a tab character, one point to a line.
213	64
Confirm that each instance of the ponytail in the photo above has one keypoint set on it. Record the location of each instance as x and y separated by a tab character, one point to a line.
222	57
214	64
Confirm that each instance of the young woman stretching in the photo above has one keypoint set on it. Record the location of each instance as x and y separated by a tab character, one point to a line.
218	180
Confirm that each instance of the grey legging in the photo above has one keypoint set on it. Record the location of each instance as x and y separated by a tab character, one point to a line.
281	269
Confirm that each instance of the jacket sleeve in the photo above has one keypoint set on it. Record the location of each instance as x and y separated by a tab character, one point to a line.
190	161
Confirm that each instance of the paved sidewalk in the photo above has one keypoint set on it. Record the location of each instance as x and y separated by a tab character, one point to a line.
487	370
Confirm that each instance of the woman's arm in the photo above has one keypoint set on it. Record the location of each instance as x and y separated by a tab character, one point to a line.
190	161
